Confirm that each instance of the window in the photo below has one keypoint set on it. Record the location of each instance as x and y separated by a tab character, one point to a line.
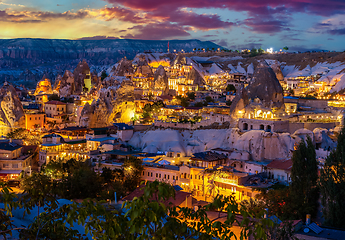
35	118
5	165
282	178
143	173
156	175
173	177
165	176
39	118
168	176
241	166
148	174
178	155
234	165
30	118
159	175
58	109
151	174
15	165
176	178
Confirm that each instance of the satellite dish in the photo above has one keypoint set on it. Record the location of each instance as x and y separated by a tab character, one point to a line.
306	230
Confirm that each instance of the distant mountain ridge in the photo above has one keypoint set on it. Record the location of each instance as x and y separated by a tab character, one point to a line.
27	52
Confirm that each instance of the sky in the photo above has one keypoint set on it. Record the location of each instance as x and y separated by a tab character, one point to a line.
300	25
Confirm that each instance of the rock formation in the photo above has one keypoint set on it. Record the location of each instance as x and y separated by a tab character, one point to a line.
124	67
114	104
11	110
64	85
160	79
264	91
277	70
81	72
44	87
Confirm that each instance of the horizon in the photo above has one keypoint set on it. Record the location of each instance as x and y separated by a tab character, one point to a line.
299	25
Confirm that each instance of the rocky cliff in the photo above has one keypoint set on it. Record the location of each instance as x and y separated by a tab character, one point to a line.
161	80
115	103
264	90
11	109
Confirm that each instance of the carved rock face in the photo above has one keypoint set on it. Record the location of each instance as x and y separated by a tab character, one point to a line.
44	87
114	104
161	80
11	110
264	90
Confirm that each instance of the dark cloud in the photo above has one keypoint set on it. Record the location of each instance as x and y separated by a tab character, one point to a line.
265	25
340	31
265	16
97	38
253	7
157	31
209	35
200	21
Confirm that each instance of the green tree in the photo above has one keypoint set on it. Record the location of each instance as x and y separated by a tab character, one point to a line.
304	176
103	75
285	48
253	52
191	95
54	97
146	217
230	88
133	169
260	50
332	185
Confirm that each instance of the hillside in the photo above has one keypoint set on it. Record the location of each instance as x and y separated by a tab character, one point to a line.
26	60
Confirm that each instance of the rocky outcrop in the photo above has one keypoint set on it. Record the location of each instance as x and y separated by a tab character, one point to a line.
124	67
81	72
114	104
264	91
277	70
44	87
64	85
160	79
196	77
11	110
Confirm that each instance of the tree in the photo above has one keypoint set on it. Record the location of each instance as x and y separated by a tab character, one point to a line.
54	97
103	75
332	185
285	48
191	95
260	50
231	88
132	170
25	135
149	216
253	52
304	176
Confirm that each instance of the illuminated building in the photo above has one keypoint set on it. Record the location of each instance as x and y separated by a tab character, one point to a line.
13	160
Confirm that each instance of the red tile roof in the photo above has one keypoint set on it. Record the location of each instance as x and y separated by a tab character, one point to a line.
56	103
281	164
180	196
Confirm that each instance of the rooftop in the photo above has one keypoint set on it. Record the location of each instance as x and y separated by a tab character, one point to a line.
56	103
208	156
281	164
9	146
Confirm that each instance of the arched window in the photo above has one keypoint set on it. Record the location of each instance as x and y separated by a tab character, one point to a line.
268	128
245	126
262	127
